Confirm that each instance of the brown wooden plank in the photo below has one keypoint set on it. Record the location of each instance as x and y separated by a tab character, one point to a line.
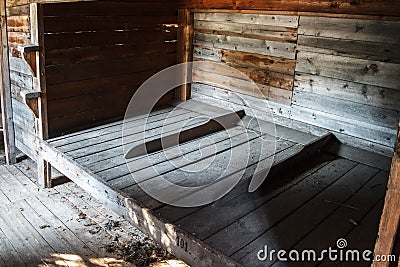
82	103
243	86
71	40
185	51
207	4
110	52
92	86
243	59
92	70
263	77
101	8
105	23
79	121
380	7
389	223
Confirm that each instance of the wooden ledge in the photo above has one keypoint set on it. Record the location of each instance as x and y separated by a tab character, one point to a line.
31	99
28	53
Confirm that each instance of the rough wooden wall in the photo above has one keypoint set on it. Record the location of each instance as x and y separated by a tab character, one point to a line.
360	7
19	33
98	53
344	71
348	77
263	47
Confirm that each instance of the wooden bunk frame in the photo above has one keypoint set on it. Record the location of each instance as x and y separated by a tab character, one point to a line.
297	141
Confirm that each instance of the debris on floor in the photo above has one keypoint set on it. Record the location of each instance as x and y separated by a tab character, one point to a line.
140	253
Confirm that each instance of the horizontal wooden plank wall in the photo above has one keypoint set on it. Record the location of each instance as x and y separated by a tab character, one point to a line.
263	47
360	7
347	77
19	33
98	53
346	69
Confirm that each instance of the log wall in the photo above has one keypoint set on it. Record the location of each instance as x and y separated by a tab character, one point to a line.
98	53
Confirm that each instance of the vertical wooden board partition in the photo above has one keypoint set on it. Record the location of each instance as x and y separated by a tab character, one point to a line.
98	54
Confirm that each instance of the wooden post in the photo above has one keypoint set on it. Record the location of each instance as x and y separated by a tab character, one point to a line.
185	50
37	38
389	224
6	104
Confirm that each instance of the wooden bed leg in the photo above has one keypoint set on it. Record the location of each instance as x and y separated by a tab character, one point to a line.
5	90
44	173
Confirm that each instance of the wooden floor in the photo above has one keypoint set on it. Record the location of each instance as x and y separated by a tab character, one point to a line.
63	226
308	205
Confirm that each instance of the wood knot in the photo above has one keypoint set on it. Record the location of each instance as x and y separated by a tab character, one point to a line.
334	5
372	67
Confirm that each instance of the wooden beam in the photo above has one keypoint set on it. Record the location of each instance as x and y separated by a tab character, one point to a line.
6	108
376	8
175	240
31	99
391	212
28	53
185	50
37	38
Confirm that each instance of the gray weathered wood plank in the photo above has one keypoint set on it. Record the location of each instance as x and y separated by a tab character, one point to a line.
110	133
263	47
256	31
158	157
373	133
23	236
132	136
160	230
337	225
70	138
250	226
293	228
356	92
259	19
9	255
353	29
347	109
356	49
351	69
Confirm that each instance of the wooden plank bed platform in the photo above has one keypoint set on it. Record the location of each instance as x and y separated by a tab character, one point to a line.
324	195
